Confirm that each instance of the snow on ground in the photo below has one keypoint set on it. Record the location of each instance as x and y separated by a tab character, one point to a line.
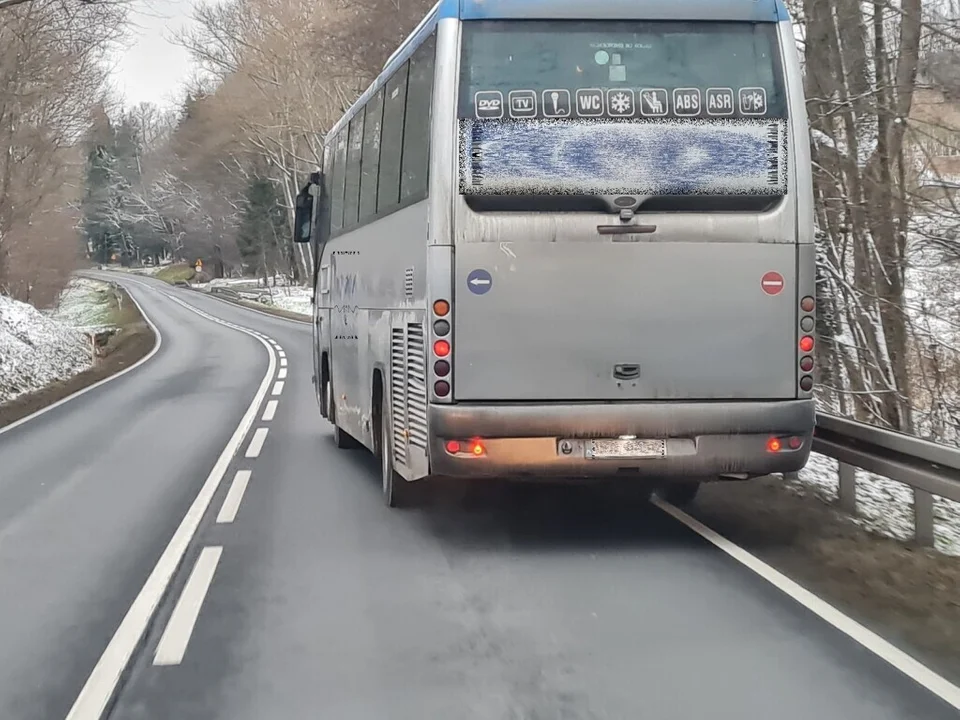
884	506
293	299
38	348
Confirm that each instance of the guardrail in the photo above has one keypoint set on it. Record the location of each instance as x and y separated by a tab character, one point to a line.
929	469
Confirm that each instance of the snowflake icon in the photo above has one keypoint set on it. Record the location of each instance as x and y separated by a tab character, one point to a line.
755	100
620	103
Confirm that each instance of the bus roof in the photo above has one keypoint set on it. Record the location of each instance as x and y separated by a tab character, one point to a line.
719	10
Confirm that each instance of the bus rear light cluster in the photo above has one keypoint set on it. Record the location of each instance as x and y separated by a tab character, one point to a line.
807	323
441	350
784	444
472	447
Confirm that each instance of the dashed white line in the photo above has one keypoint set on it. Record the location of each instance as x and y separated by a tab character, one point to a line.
281	373
270	410
283	362
277	387
231	503
281	353
102	683
883	649
256	445
176	636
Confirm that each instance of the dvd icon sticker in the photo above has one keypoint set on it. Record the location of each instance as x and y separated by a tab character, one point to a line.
522	103
488	104
654	102
620	102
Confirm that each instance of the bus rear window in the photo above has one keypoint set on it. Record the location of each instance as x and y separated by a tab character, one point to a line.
561	69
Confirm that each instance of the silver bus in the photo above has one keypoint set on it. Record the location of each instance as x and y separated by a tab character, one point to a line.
571	239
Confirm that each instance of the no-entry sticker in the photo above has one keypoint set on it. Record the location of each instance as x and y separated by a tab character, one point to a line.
772	283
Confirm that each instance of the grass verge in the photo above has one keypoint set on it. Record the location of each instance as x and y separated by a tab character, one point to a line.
906	593
132	341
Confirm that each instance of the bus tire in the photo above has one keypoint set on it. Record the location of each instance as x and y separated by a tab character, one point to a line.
680	493
396	491
342	439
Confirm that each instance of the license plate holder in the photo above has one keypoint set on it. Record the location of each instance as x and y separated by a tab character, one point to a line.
624	449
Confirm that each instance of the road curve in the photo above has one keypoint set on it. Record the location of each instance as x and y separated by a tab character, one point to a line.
92	490
302	596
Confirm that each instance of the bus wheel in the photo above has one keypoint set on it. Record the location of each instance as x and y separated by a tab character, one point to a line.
680	493
341	438
396	491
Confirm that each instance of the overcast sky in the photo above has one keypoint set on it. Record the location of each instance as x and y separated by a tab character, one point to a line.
149	68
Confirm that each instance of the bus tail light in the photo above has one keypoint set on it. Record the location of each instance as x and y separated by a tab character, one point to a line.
806	343
782	444
808	323
442	348
473	447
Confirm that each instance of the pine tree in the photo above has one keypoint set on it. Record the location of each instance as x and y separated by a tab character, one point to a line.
262	226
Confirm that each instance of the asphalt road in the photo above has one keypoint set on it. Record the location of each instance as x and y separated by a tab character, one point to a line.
311	599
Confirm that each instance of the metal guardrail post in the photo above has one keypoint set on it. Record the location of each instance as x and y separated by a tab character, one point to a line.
848	488
923	517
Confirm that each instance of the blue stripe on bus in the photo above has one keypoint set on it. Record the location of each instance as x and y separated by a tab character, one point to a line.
742	10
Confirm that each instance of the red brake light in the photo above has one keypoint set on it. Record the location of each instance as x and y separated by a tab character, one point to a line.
773	445
795	443
441	348
806	343
453	446
808	304
806	364
441	388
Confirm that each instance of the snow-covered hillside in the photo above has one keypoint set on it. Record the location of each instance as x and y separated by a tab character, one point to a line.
38	348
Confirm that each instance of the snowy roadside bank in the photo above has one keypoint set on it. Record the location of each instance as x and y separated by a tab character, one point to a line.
47	355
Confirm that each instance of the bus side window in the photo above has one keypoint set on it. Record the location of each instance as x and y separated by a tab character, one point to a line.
370	161
339	178
388	193
351	201
416	135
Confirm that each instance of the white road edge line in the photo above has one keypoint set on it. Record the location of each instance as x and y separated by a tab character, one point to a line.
270	410
176	636
103	681
256	445
115	376
282	373
277	387
912	668
231	503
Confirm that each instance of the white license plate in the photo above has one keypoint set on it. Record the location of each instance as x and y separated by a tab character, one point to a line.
625	448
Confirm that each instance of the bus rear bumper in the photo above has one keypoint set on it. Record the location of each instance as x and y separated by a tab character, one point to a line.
702	439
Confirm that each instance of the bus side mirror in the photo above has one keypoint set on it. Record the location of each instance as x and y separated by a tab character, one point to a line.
303	216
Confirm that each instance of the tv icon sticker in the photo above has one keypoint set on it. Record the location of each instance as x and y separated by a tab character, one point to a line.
556	103
720	101
589	102
686	102
522	103
753	101
620	102
654	102
488	104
